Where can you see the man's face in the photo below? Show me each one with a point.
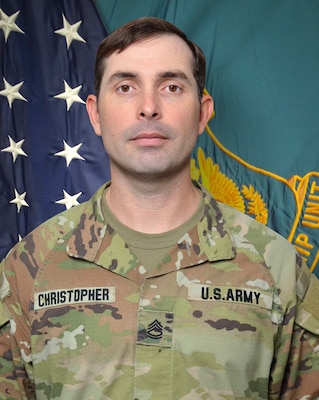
(148, 112)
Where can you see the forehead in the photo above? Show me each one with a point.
(165, 52)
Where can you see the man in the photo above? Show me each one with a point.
(152, 289)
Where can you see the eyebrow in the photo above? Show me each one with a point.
(121, 75)
(174, 74)
(162, 75)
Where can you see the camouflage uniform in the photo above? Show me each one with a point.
(230, 313)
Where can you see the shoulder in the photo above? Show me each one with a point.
(69, 219)
(248, 235)
(275, 250)
(37, 244)
(245, 230)
(265, 239)
(290, 273)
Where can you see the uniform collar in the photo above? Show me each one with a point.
(95, 241)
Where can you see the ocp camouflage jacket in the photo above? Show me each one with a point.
(231, 312)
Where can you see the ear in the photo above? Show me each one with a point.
(92, 110)
(206, 111)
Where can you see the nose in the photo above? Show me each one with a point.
(149, 107)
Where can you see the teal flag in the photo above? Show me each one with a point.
(260, 151)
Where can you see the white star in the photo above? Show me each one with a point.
(15, 149)
(68, 200)
(70, 153)
(12, 92)
(70, 95)
(19, 200)
(8, 25)
(70, 31)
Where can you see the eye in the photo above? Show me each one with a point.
(173, 88)
(124, 89)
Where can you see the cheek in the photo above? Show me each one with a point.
(190, 122)
(112, 118)
(189, 113)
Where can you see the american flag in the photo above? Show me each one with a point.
(50, 158)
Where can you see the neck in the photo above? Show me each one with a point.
(153, 207)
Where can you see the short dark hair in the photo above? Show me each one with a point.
(138, 30)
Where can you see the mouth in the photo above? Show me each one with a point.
(149, 139)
